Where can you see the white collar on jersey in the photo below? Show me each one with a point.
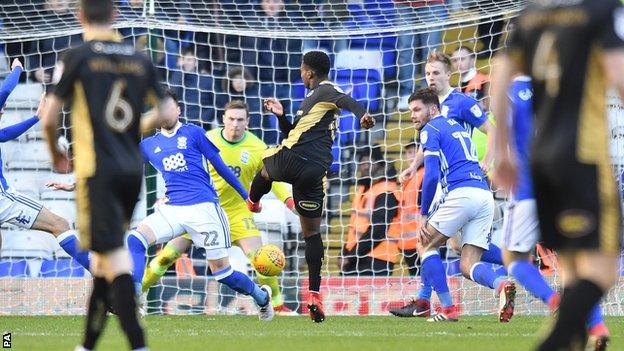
(469, 75)
(522, 79)
(446, 95)
(171, 133)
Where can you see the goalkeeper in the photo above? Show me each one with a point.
(242, 151)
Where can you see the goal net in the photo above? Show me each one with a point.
(210, 52)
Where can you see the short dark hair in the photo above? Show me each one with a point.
(236, 104)
(374, 152)
(318, 61)
(189, 50)
(97, 11)
(171, 94)
(426, 95)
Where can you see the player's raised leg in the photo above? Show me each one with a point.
(165, 258)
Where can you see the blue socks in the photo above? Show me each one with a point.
(595, 317)
(483, 274)
(531, 279)
(492, 255)
(433, 270)
(425, 287)
(241, 283)
(69, 242)
(137, 247)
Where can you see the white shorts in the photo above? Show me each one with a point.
(520, 226)
(206, 223)
(18, 209)
(468, 209)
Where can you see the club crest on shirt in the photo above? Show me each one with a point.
(244, 157)
(423, 137)
(310, 93)
(181, 142)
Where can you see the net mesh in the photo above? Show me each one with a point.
(210, 52)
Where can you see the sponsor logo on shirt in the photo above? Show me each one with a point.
(157, 149)
(175, 163)
(244, 157)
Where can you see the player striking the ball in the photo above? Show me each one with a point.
(304, 157)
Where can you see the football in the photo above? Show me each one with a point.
(269, 260)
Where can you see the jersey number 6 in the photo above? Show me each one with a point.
(118, 111)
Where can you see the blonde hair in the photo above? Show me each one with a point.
(438, 56)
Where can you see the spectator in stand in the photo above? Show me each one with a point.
(409, 213)
(47, 51)
(370, 249)
(278, 59)
(194, 89)
(240, 85)
(472, 82)
(414, 48)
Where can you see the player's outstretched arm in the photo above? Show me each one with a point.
(275, 107)
(505, 165)
(61, 186)
(348, 103)
(224, 171)
(11, 81)
(12, 132)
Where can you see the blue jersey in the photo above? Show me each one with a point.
(450, 158)
(521, 115)
(179, 157)
(464, 109)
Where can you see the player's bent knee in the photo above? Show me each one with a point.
(218, 259)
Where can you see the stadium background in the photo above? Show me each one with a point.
(377, 49)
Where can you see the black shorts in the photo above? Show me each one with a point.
(105, 206)
(578, 204)
(307, 177)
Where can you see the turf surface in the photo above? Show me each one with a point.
(181, 333)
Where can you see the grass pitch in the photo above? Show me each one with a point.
(222, 333)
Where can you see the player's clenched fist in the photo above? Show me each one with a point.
(367, 121)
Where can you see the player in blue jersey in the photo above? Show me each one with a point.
(177, 152)
(466, 204)
(19, 209)
(520, 223)
(453, 104)
(469, 114)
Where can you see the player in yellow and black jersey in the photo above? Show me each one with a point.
(573, 50)
(304, 157)
(107, 84)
